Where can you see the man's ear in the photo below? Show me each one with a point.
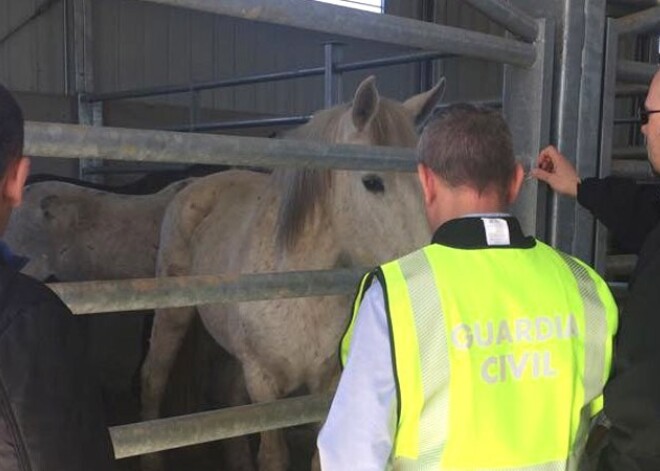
(516, 183)
(427, 180)
(14, 180)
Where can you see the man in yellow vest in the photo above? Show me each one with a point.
(486, 349)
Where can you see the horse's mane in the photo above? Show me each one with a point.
(303, 191)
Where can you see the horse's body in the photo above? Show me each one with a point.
(77, 233)
(241, 222)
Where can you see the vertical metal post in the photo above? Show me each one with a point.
(333, 94)
(194, 108)
(589, 122)
(89, 114)
(527, 108)
(607, 124)
(426, 69)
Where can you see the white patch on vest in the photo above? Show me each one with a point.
(497, 231)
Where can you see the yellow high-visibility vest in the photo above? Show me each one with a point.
(500, 356)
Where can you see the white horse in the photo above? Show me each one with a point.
(242, 222)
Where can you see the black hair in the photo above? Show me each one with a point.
(11, 129)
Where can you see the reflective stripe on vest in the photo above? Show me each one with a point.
(506, 350)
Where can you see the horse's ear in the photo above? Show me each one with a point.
(421, 106)
(365, 103)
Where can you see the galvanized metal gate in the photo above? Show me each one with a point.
(526, 104)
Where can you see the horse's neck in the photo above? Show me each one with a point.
(316, 247)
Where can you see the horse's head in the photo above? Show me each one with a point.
(372, 215)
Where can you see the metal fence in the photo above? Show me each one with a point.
(627, 162)
(526, 104)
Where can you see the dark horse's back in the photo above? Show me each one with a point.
(150, 183)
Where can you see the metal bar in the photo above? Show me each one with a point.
(242, 124)
(262, 78)
(509, 16)
(195, 108)
(176, 432)
(606, 132)
(91, 297)
(395, 60)
(620, 264)
(38, 11)
(527, 108)
(628, 120)
(215, 84)
(631, 169)
(631, 90)
(646, 21)
(590, 99)
(72, 141)
(332, 93)
(637, 72)
(327, 18)
(631, 153)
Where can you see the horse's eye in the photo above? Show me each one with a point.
(373, 183)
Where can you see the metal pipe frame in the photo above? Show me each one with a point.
(243, 124)
(630, 153)
(73, 141)
(631, 90)
(332, 89)
(646, 21)
(91, 297)
(176, 432)
(264, 78)
(327, 18)
(527, 109)
(636, 72)
(508, 16)
(636, 169)
(600, 259)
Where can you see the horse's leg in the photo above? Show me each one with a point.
(236, 451)
(263, 387)
(167, 334)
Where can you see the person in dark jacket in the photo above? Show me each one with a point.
(51, 415)
(631, 211)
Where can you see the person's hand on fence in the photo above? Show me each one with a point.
(555, 170)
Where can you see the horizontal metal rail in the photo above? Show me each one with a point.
(394, 60)
(89, 297)
(198, 87)
(74, 141)
(327, 18)
(176, 432)
(629, 120)
(508, 16)
(263, 78)
(637, 72)
(646, 21)
(630, 153)
(619, 289)
(242, 124)
(620, 264)
(631, 168)
(631, 89)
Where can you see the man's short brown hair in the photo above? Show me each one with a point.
(469, 145)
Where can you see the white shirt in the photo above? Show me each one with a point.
(359, 431)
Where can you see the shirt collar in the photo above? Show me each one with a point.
(468, 232)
